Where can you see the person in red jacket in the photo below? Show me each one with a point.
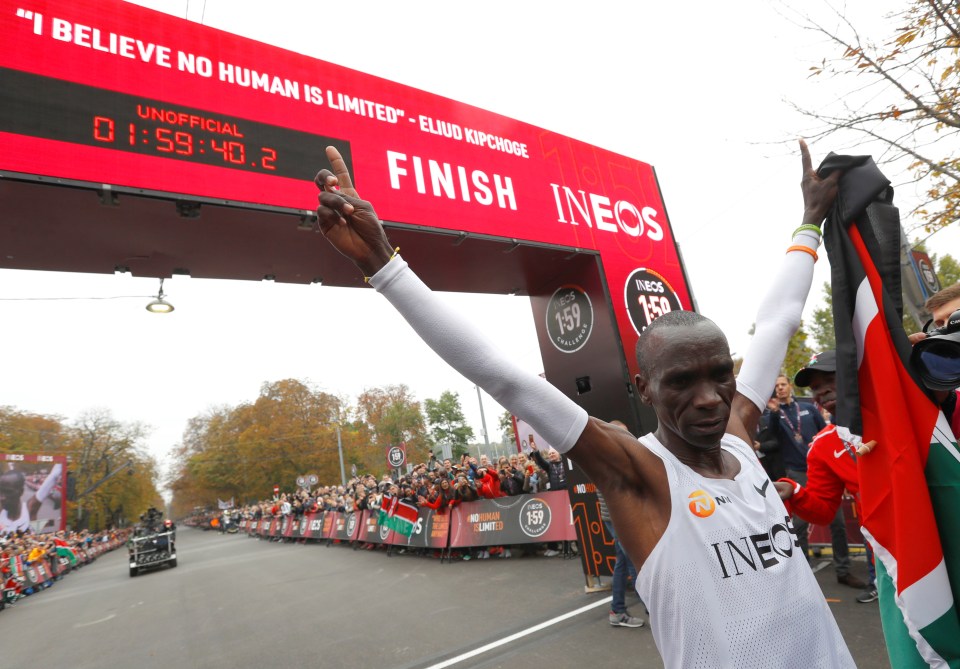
(831, 461)
(488, 483)
(446, 497)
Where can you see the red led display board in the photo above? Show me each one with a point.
(104, 92)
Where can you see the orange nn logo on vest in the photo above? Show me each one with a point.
(701, 504)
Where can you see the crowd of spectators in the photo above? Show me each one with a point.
(435, 484)
(59, 552)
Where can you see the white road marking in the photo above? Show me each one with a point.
(94, 622)
(519, 635)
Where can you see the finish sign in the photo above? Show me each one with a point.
(648, 296)
(569, 319)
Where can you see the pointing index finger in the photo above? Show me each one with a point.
(804, 156)
(340, 170)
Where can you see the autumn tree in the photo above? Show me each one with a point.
(393, 415)
(243, 451)
(447, 423)
(902, 91)
(24, 432)
(116, 479)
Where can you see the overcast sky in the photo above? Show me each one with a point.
(700, 90)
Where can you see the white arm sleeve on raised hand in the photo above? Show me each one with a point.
(44, 490)
(777, 319)
(531, 398)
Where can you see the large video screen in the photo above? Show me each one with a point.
(33, 493)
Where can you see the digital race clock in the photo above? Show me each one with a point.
(48, 108)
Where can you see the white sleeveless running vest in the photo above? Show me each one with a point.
(726, 585)
(21, 523)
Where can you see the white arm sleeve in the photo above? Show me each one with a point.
(44, 490)
(551, 413)
(777, 319)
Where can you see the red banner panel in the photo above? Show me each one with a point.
(506, 520)
(522, 519)
(346, 526)
(370, 531)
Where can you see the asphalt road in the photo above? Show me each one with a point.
(238, 602)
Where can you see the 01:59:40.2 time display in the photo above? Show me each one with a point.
(174, 143)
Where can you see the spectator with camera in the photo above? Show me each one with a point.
(552, 465)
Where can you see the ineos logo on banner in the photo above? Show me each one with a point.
(535, 517)
(397, 456)
(648, 296)
(569, 318)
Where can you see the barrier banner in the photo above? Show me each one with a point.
(35, 574)
(523, 519)
(315, 527)
(597, 551)
(370, 530)
(430, 531)
(60, 565)
(329, 526)
(347, 526)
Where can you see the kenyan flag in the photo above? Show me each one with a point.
(910, 482)
(64, 551)
(398, 515)
(16, 565)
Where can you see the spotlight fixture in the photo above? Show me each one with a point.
(159, 305)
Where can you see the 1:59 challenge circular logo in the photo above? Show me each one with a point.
(648, 296)
(569, 318)
(535, 517)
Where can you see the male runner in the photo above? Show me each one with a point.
(724, 583)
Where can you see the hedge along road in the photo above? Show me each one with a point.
(238, 602)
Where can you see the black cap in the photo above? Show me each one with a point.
(824, 361)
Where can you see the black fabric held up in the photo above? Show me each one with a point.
(864, 202)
